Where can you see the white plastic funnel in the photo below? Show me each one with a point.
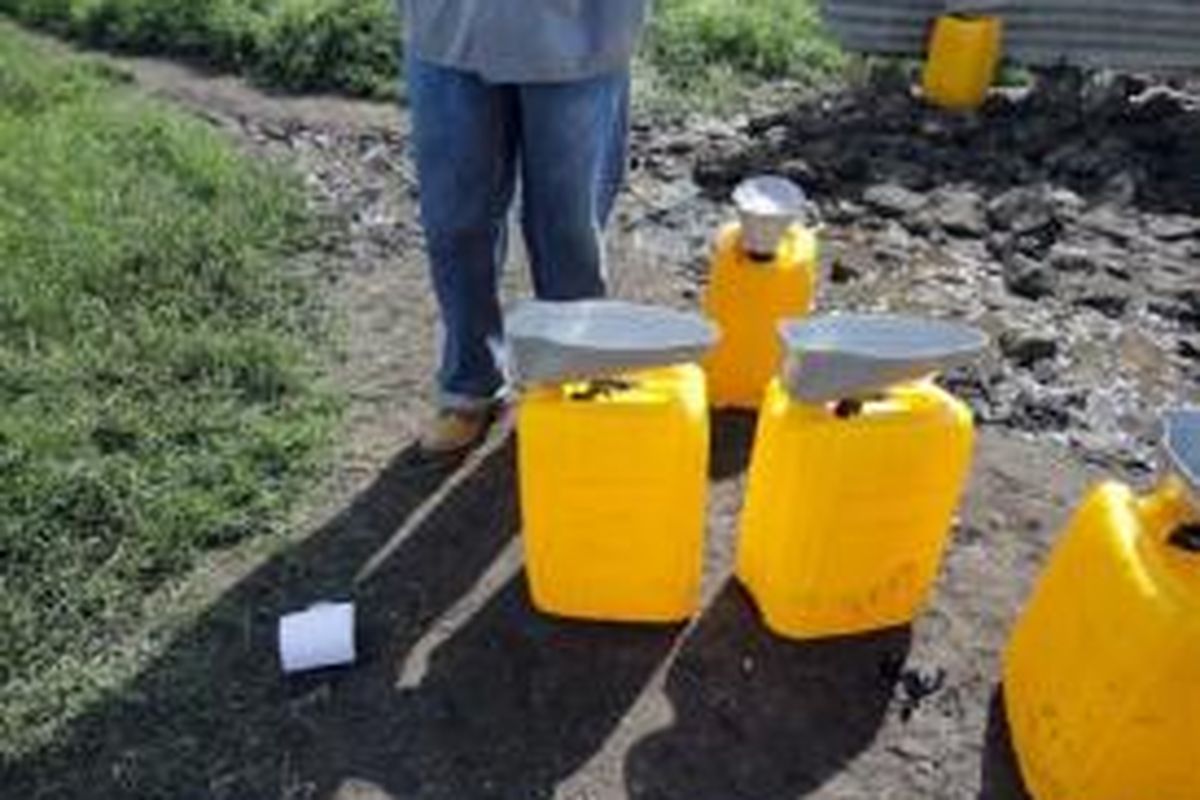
(1181, 443)
(555, 342)
(767, 206)
(850, 356)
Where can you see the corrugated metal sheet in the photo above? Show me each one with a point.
(1133, 34)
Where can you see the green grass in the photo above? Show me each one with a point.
(300, 45)
(706, 49)
(159, 395)
(695, 48)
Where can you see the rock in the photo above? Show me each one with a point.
(889, 78)
(1025, 348)
(1121, 189)
(895, 237)
(1045, 372)
(1069, 258)
(843, 212)
(1066, 204)
(921, 223)
(716, 129)
(1173, 228)
(1158, 104)
(357, 789)
(1057, 88)
(960, 213)
(841, 272)
(1111, 223)
(1028, 278)
(1047, 412)
(800, 172)
(275, 131)
(1177, 312)
(1118, 271)
(776, 138)
(1189, 347)
(1021, 211)
(1036, 245)
(683, 144)
(893, 200)
(1109, 301)
(1037, 135)
(1140, 354)
(851, 167)
(1001, 246)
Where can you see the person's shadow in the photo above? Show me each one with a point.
(760, 717)
(508, 704)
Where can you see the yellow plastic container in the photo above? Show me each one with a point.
(847, 515)
(964, 53)
(613, 494)
(1101, 681)
(747, 298)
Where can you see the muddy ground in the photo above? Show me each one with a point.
(1087, 277)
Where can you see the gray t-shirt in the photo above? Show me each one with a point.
(526, 41)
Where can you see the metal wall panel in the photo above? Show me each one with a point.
(1133, 34)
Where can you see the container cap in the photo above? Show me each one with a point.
(767, 206)
(552, 342)
(847, 356)
(1181, 443)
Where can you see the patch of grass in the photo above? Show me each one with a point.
(295, 45)
(159, 391)
(712, 48)
(697, 49)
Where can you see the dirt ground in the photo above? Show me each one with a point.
(462, 691)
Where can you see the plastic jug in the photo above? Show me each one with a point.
(764, 270)
(858, 465)
(964, 52)
(614, 469)
(1100, 673)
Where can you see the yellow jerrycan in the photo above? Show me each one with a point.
(612, 443)
(964, 52)
(764, 270)
(858, 465)
(1100, 675)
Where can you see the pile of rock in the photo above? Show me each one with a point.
(1064, 218)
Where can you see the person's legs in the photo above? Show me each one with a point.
(573, 148)
(465, 133)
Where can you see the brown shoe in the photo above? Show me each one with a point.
(452, 430)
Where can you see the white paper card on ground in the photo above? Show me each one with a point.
(320, 636)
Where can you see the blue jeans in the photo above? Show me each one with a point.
(567, 142)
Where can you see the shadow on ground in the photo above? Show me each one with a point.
(507, 703)
(1001, 777)
(507, 707)
(761, 717)
(731, 443)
